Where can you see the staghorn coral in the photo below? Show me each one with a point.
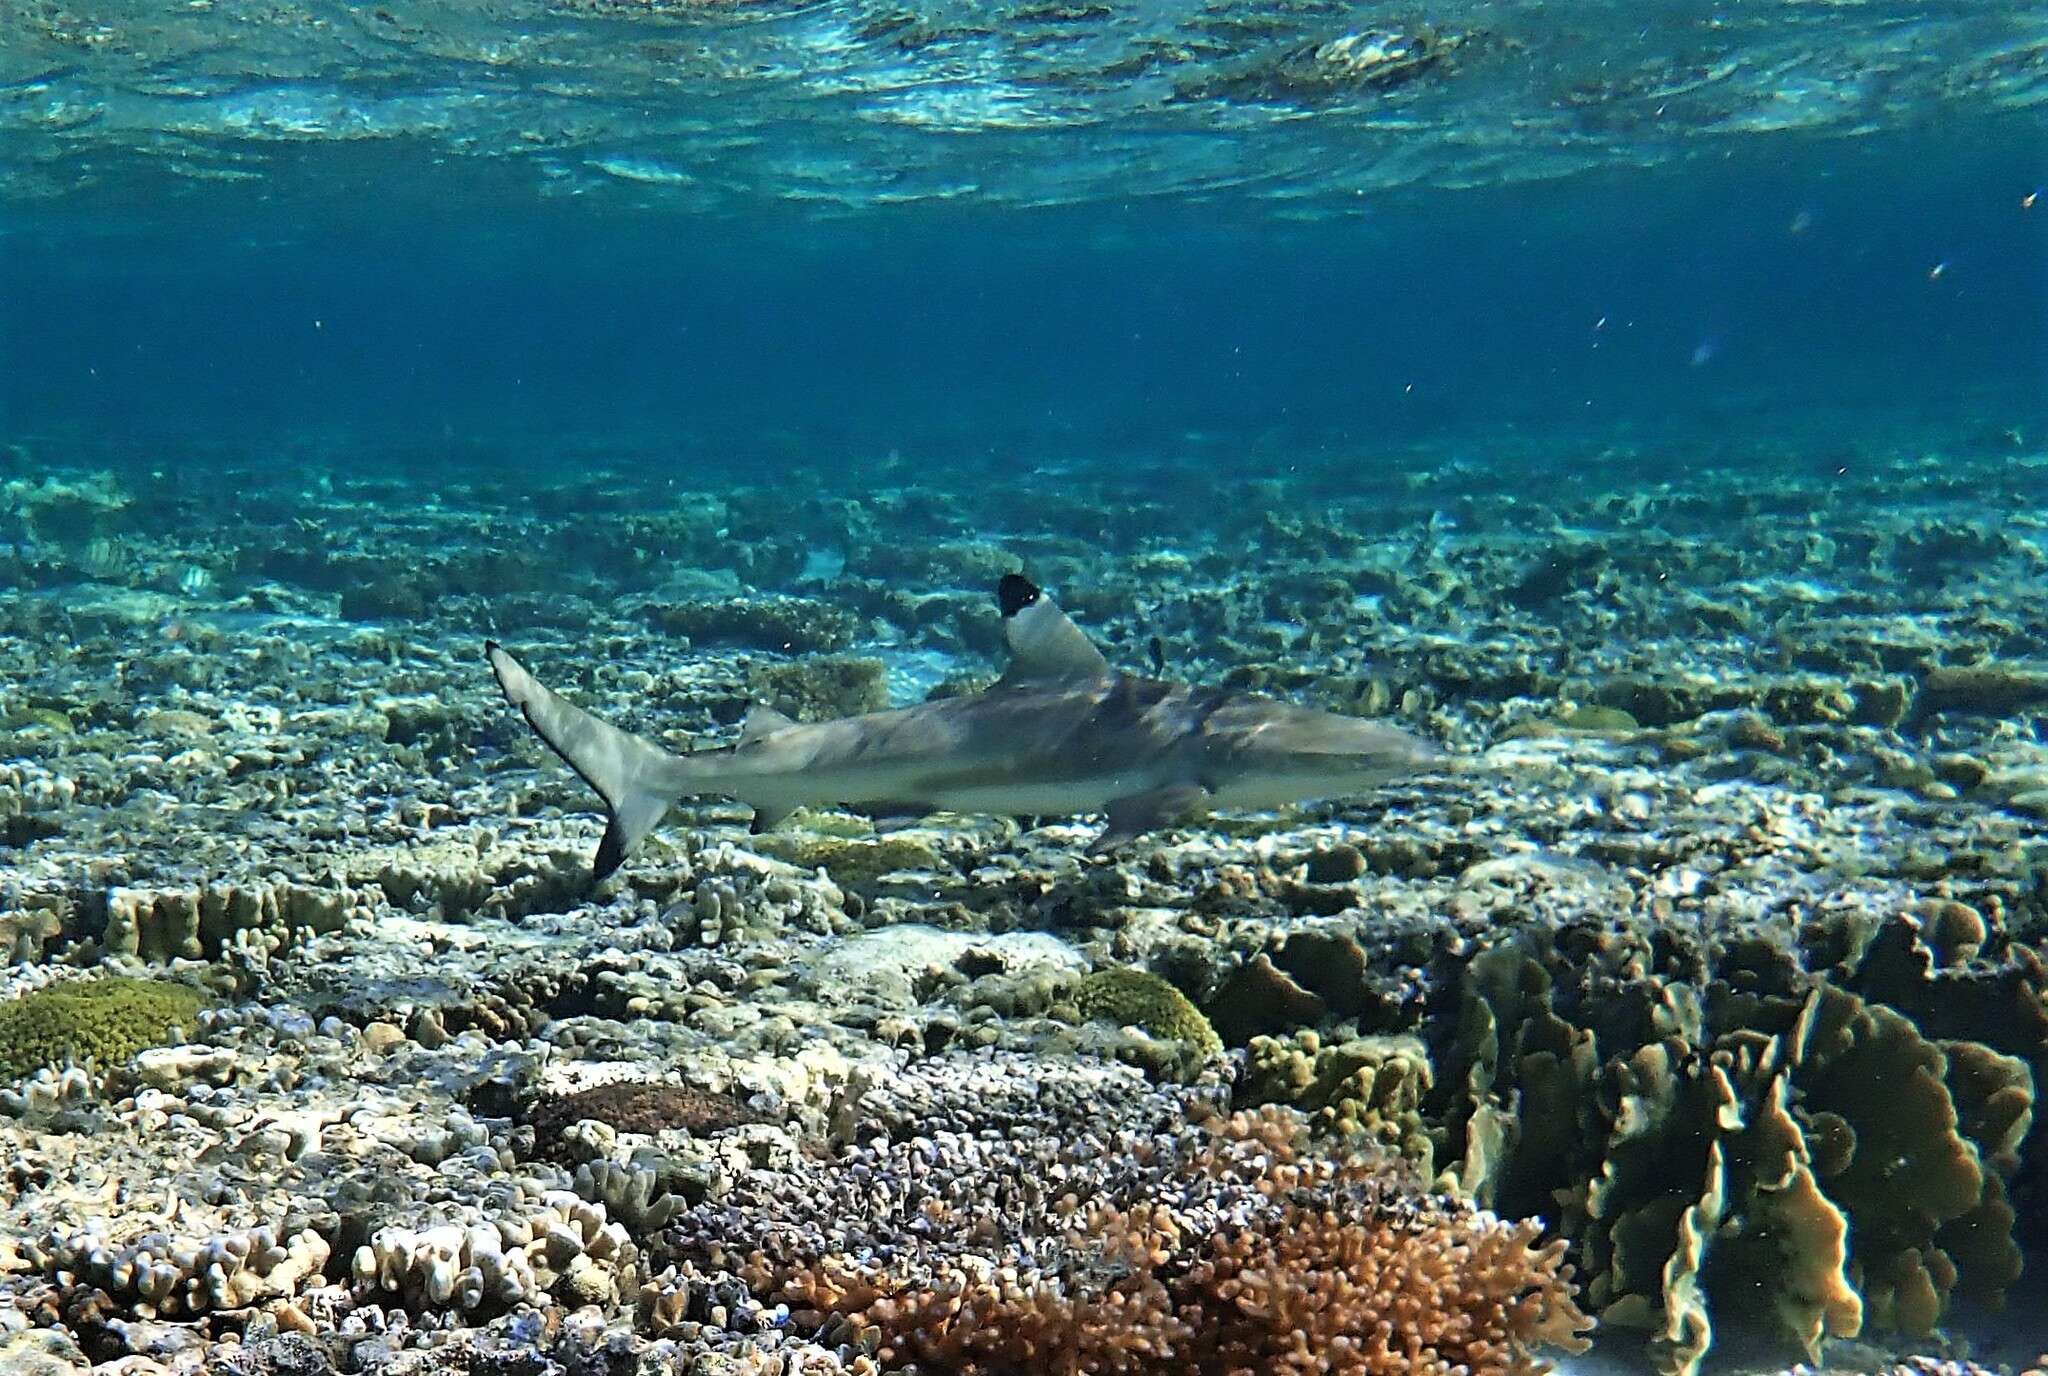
(1220, 1248)
(101, 1022)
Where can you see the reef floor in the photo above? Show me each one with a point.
(1701, 1011)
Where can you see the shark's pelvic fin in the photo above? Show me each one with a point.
(768, 818)
(636, 780)
(762, 720)
(1044, 643)
(1133, 816)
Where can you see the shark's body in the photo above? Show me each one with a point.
(1060, 733)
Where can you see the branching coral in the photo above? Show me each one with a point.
(1220, 1249)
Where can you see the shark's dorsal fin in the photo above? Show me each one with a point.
(1044, 643)
(762, 720)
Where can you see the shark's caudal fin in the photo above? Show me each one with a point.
(636, 780)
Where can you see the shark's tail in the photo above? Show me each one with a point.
(637, 780)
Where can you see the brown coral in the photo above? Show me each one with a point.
(1707, 1116)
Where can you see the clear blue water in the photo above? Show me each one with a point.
(1766, 286)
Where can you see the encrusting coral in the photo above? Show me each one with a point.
(100, 1022)
(635, 1106)
(1225, 1247)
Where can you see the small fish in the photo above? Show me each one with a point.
(196, 579)
(1060, 733)
(103, 559)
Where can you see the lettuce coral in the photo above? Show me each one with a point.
(1736, 1134)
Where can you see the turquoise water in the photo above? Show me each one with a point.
(1645, 404)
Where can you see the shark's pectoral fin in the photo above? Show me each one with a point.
(769, 818)
(1142, 812)
(636, 779)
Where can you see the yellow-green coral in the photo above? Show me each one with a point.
(1368, 1087)
(1137, 998)
(100, 1022)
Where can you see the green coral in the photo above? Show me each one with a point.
(1138, 998)
(100, 1022)
(1599, 720)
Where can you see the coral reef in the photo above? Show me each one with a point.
(1722, 956)
(1223, 1247)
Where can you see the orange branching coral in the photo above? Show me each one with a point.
(1239, 1255)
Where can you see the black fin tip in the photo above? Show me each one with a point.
(1015, 593)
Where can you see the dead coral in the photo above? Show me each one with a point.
(791, 625)
(637, 1106)
(821, 689)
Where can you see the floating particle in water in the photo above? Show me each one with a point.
(1704, 353)
(1801, 222)
(2027, 201)
(1938, 271)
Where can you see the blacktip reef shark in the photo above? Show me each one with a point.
(1060, 733)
